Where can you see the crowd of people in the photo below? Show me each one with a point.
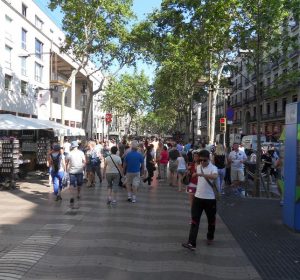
(202, 172)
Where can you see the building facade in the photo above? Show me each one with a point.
(33, 70)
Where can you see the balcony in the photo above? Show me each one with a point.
(252, 98)
(237, 122)
(253, 118)
(240, 86)
(273, 115)
(237, 103)
(253, 77)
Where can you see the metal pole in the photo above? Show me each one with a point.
(62, 113)
(102, 129)
(92, 118)
(209, 113)
(51, 104)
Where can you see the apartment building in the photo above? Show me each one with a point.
(33, 70)
(275, 94)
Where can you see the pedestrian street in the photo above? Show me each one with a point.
(45, 239)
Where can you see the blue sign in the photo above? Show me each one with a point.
(230, 114)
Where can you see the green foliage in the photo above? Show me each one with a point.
(96, 30)
(128, 94)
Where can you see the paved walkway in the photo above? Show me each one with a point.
(44, 239)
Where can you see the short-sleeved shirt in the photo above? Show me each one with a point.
(111, 167)
(204, 190)
(76, 161)
(236, 158)
(133, 161)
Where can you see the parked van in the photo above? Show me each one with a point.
(250, 141)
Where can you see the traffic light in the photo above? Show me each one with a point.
(222, 124)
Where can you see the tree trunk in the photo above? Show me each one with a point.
(214, 105)
(91, 94)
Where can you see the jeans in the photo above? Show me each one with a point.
(221, 176)
(57, 180)
(210, 208)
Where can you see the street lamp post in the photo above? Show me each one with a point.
(103, 120)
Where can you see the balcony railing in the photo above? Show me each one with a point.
(237, 121)
(273, 115)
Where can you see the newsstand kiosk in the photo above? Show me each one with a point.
(291, 206)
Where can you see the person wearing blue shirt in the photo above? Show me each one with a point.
(134, 166)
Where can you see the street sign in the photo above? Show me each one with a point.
(230, 114)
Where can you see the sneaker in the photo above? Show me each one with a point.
(129, 199)
(71, 202)
(108, 202)
(189, 246)
(114, 203)
(58, 198)
(133, 200)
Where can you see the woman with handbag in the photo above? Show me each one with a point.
(112, 171)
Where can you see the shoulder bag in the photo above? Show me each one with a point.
(120, 180)
(213, 186)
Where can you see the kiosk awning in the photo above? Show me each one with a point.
(59, 129)
(12, 122)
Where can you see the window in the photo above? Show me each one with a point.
(8, 82)
(24, 36)
(24, 10)
(24, 87)
(283, 104)
(275, 106)
(38, 22)
(269, 82)
(8, 28)
(8, 57)
(38, 72)
(268, 108)
(254, 111)
(295, 98)
(38, 49)
(23, 66)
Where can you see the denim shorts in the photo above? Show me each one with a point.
(76, 179)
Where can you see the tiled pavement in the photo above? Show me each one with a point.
(44, 239)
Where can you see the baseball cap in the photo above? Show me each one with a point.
(74, 144)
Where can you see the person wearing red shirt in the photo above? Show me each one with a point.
(163, 163)
(192, 186)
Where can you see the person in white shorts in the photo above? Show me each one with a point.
(236, 159)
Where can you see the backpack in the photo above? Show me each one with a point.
(94, 159)
(56, 162)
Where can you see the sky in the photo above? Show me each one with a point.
(141, 9)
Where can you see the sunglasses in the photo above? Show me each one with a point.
(203, 160)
